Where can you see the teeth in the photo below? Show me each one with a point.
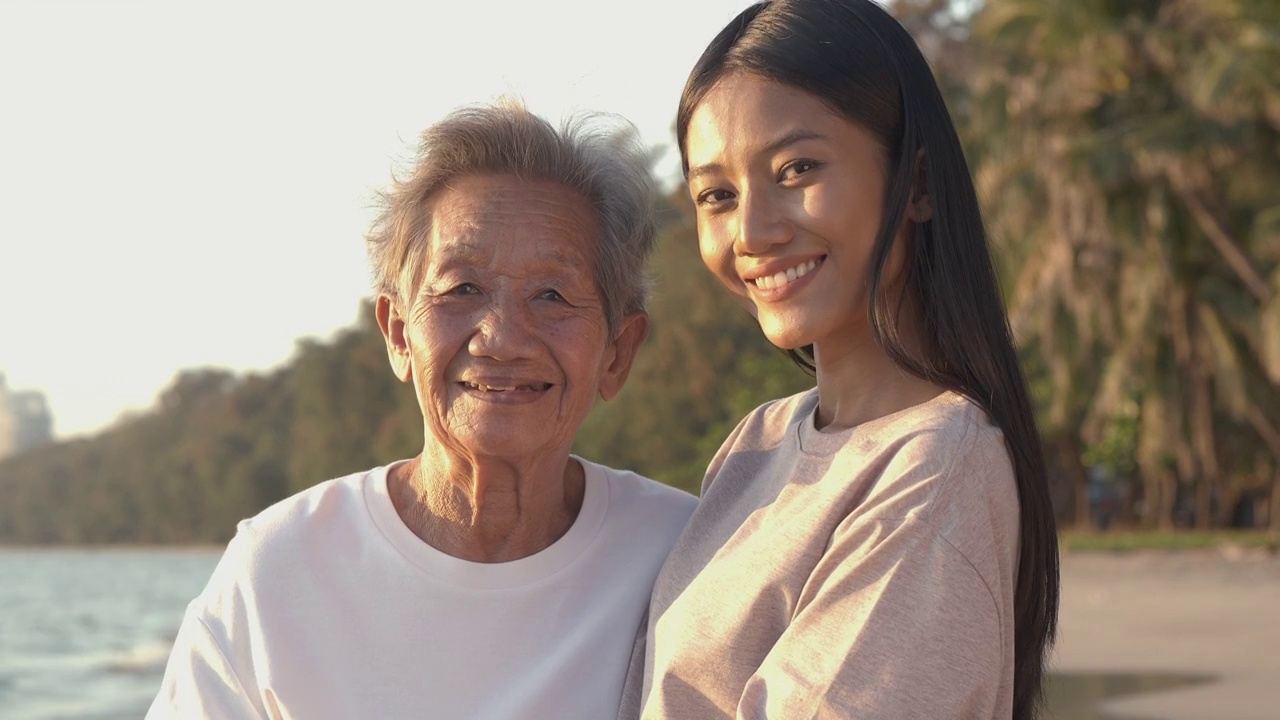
(494, 388)
(777, 280)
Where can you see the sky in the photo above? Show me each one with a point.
(187, 183)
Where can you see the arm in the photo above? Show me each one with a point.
(207, 672)
(199, 681)
(894, 622)
(633, 689)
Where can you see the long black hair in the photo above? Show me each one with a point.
(858, 60)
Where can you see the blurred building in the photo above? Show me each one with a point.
(25, 420)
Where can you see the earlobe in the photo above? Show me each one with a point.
(920, 210)
(632, 332)
(392, 325)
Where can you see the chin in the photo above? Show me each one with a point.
(502, 442)
(783, 335)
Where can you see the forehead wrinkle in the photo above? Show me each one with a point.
(480, 223)
(459, 250)
(464, 249)
(560, 258)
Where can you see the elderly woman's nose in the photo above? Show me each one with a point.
(503, 332)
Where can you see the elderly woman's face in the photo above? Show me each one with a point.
(505, 337)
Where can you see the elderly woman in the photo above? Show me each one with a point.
(494, 575)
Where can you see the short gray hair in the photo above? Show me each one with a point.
(597, 155)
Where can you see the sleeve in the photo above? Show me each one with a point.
(632, 691)
(893, 623)
(207, 673)
(199, 681)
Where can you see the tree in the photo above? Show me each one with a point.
(1126, 154)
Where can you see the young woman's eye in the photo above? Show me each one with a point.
(550, 294)
(796, 168)
(713, 196)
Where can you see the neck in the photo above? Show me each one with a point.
(858, 382)
(487, 509)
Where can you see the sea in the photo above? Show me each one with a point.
(84, 634)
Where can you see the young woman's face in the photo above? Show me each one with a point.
(789, 197)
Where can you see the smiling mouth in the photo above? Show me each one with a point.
(528, 387)
(790, 275)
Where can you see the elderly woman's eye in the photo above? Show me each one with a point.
(550, 294)
(465, 289)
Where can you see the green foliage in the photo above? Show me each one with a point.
(218, 447)
(1126, 154)
(1117, 450)
(215, 449)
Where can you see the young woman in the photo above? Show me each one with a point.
(882, 546)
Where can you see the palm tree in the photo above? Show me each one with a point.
(1126, 154)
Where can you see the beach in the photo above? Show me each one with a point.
(1204, 623)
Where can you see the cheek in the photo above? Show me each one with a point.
(577, 344)
(433, 346)
(717, 253)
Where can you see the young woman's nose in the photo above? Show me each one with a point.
(761, 224)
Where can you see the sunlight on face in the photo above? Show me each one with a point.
(506, 333)
(789, 197)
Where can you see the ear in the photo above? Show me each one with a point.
(920, 209)
(632, 332)
(391, 323)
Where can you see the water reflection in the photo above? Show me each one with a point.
(1079, 696)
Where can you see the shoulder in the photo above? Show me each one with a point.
(949, 467)
(977, 509)
(316, 510)
(786, 409)
(642, 519)
(290, 536)
(642, 499)
(945, 448)
(764, 429)
(769, 423)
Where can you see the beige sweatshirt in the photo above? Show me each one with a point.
(865, 573)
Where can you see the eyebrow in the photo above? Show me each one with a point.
(791, 138)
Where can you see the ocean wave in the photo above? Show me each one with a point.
(142, 659)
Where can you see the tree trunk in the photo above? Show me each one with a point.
(1273, 513)
(1070, 450)
(1230, 494)
(1168, 499)
(1152, 485)
(1084, 516)
(1202, 435)
(1230, 250)
(1204, 504)
(1262, 425)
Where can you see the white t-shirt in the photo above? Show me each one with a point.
(326, 605)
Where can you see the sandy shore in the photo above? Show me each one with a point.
(1201, 613)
